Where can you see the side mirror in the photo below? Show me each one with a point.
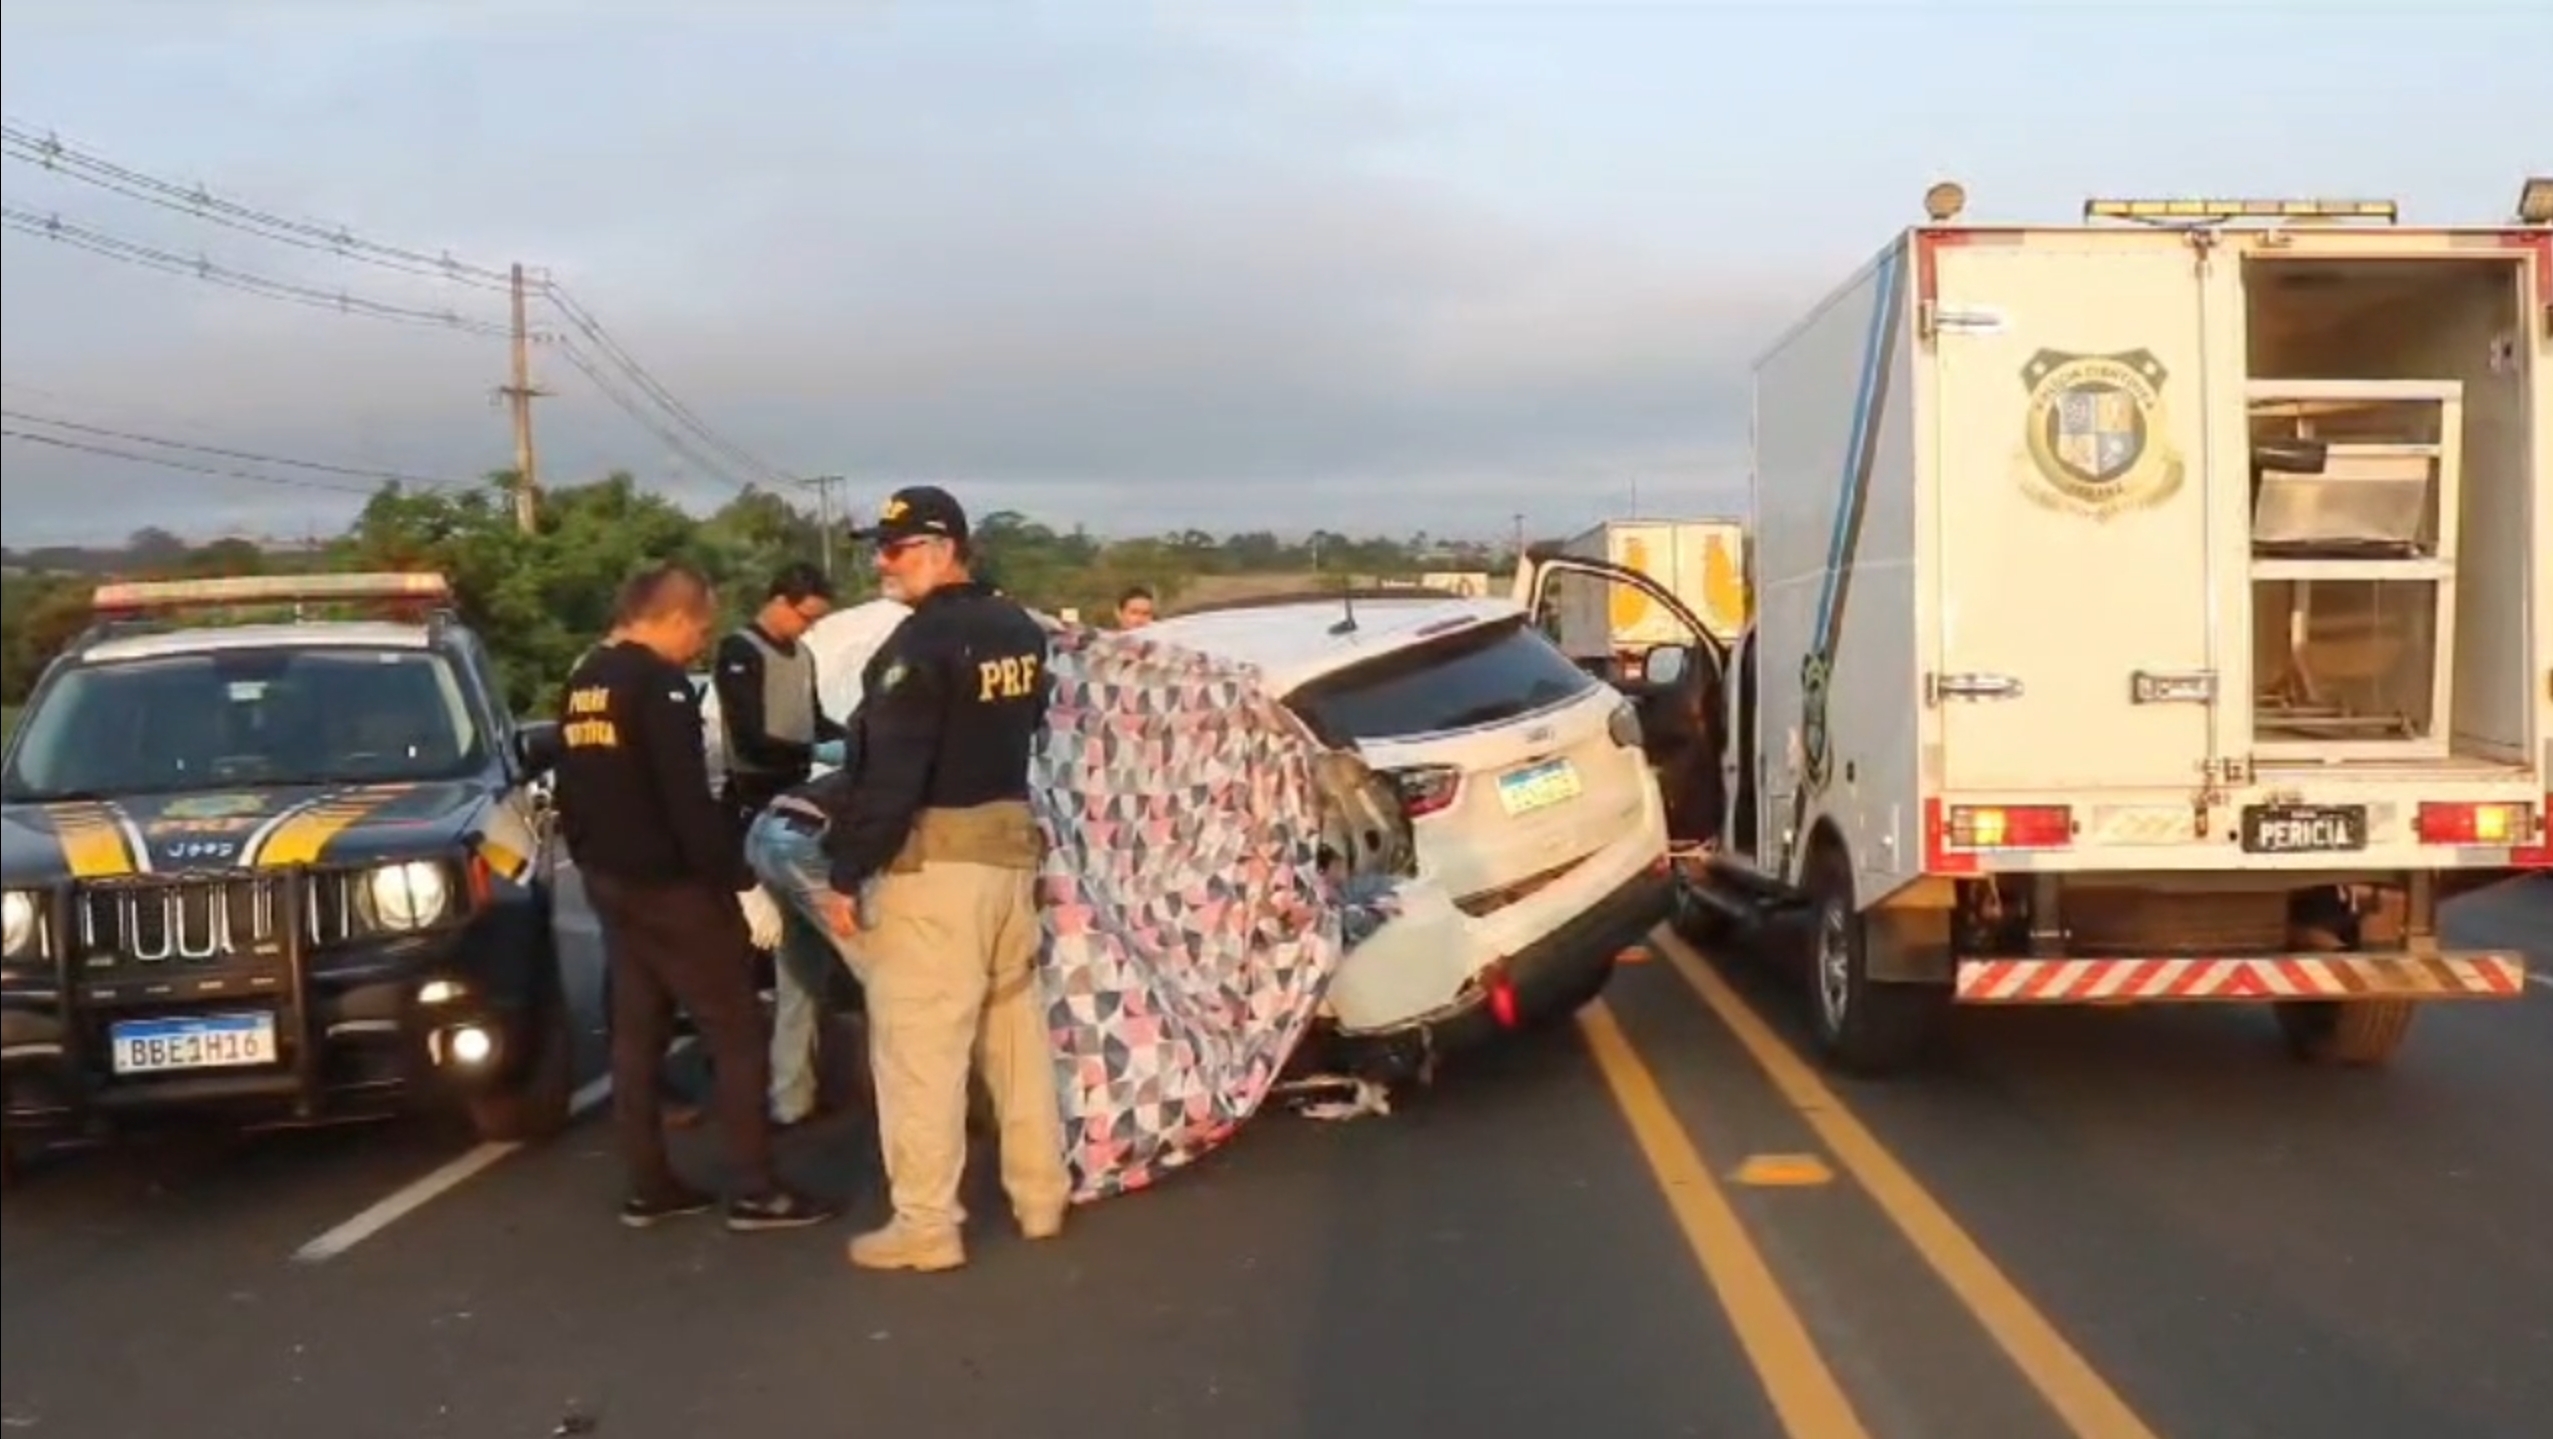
(537, 747)
(1666, 665)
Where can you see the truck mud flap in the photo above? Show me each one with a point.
(2457, 974)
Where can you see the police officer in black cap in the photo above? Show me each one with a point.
(932, 853)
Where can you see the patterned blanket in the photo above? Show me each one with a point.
(1190, 929)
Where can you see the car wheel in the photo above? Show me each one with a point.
(540, 1101)
(1862, 1026)
(1585, 992)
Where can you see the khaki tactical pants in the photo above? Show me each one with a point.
(949, 979)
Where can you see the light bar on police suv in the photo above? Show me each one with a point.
(2385, 210)
(130, 596)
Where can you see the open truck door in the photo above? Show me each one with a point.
(1679, 694)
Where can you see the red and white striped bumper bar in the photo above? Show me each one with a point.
(2456, 975)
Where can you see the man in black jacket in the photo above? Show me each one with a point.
(665, 872)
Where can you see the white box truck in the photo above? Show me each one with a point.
(1702, 562)
(2150, 609)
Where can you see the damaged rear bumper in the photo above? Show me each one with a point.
(1548, 980)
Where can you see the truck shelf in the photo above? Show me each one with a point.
(2353, 541)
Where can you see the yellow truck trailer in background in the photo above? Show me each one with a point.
(1701, 561)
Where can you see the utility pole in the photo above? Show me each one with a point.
(521, 394)
(823, 486)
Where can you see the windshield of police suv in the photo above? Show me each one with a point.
(1476, 676)
(281, 716)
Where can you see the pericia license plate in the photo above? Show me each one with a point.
(2304, 829)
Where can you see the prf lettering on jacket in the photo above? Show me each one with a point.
(589, 723)
(1009, 678)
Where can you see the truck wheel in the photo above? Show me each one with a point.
(1862, 1026)
(2359, 1033)
(538, 1104)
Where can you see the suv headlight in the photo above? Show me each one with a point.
(17, 924)
(408, 896)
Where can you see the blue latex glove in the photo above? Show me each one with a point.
(830, 752)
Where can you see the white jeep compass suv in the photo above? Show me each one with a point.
(1538, 822)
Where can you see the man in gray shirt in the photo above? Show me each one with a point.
(774, 729)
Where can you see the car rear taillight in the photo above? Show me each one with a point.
(2476, 824)
(1624, 725)
(1426, 788)
(2025, 826)
(1501, 993)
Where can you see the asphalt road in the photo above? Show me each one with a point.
(2112, 1223)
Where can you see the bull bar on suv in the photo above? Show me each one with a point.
(359, 1020)
(335, 1010)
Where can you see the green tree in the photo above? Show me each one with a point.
(538, 599)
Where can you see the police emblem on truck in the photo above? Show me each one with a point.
(2097, 436)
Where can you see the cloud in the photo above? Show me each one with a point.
(1117, 275)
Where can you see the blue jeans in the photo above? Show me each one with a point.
(792, 865)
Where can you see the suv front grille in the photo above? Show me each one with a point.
(203, 920)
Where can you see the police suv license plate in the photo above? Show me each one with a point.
(192, 1041)
(1538, 786)
(2304, 828)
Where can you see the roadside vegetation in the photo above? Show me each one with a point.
(540, 598)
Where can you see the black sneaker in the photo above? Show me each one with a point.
(641, 1210)
(779, 1209)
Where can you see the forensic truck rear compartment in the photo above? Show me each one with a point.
(2181, 631)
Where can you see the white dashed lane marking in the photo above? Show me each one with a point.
(460, 1170)
(426, 1188)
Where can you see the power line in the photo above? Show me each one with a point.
(394, 477)
(152, 257)
(672, 440)
(51, 152)
(585, 323)
(169, 262)
(167, 463)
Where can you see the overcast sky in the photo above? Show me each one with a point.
(1363, 266)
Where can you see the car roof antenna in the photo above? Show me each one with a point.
(1347, 599)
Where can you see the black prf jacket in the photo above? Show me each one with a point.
(950, 707)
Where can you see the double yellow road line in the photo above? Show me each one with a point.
(1803, 1389)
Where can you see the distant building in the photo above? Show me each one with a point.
(1469, 584)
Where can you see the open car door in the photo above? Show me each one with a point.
(1679, 693)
